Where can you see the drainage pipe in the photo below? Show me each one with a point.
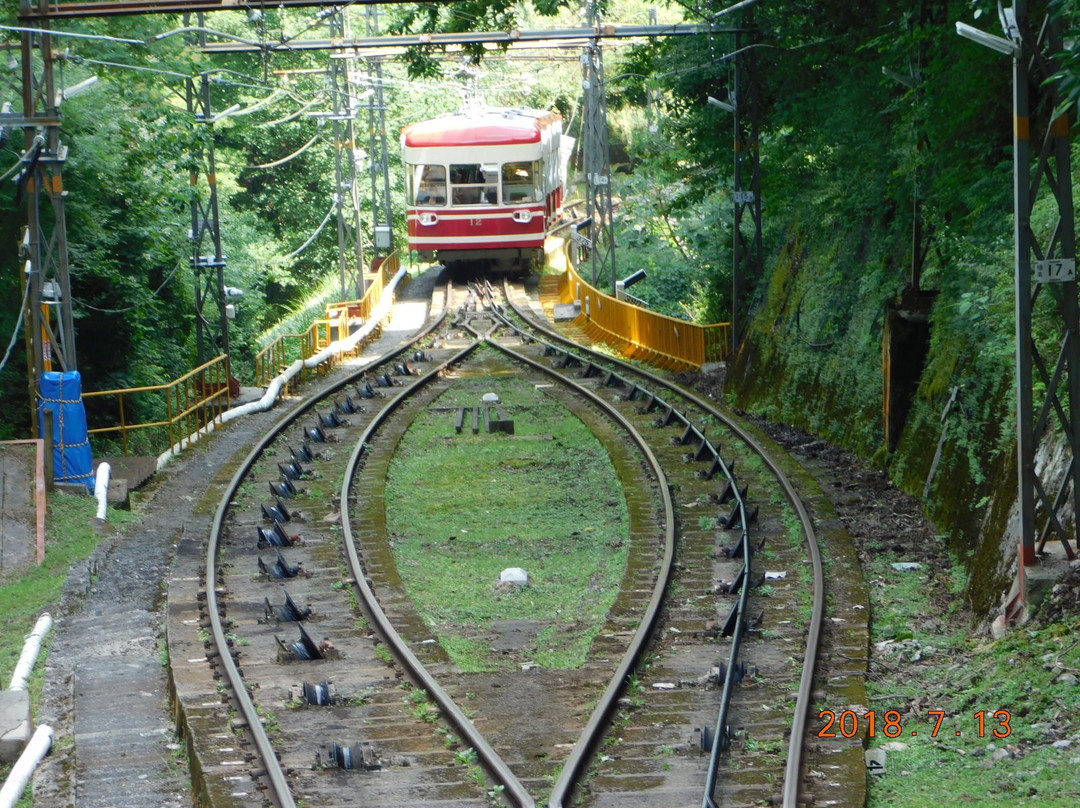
(24, 767)
(30, 653)
(101, 489)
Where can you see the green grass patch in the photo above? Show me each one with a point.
(463, 507)
(927, 657)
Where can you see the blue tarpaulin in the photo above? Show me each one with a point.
(72, 460)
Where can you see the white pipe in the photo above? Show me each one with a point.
(24, 767)
(101, 489)
(30, 653)
(273, 389)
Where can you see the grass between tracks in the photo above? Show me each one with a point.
(463, 507)
(929, 664)
(69, 537)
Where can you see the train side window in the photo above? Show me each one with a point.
(520, 182)
(429, 183)
(473, 184)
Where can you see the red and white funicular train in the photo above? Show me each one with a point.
(484, 185)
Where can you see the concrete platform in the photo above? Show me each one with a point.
(16, 726)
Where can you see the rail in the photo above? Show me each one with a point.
(794, 762)
(679, 342)
(181, 408)
(339, 321)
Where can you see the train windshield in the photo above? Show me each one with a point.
(427, 185)
(521, 183)
(474, 184)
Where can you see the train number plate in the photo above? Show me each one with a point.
(1057, 270)
(476, 221)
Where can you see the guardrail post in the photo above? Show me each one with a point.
(50, 460)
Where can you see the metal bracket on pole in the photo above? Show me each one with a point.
(597, 160)
(50, 328)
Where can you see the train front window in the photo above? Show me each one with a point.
(427, 185)
(474, 184)
(520, 183)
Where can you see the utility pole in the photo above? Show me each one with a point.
(49, 324)
(378, 160)
(1051, 264)
(209, 269)
(1045, 281)
(597, 158)
(347, 194)
(747, 261)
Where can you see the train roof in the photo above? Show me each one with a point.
(485, 127)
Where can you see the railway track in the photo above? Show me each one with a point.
(334, 689)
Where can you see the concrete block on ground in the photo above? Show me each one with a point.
(119, 495)
(564, 312)
(16, 726)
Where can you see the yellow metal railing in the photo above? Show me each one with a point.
(340, 318)
(675, 340)
(182, 408)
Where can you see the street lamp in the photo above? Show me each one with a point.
(1006, 47)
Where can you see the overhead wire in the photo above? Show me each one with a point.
(161, 286)
(314, 235)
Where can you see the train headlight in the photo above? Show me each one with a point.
(523, 216)
(428, 218)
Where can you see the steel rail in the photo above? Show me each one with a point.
(720, 736)
(601, 716)
(513, 787)
(803, 699)
(608, 703)
(282, 794)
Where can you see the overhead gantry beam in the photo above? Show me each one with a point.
(130, 8)
(551, 37)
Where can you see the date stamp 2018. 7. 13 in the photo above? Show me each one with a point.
(892, 724)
